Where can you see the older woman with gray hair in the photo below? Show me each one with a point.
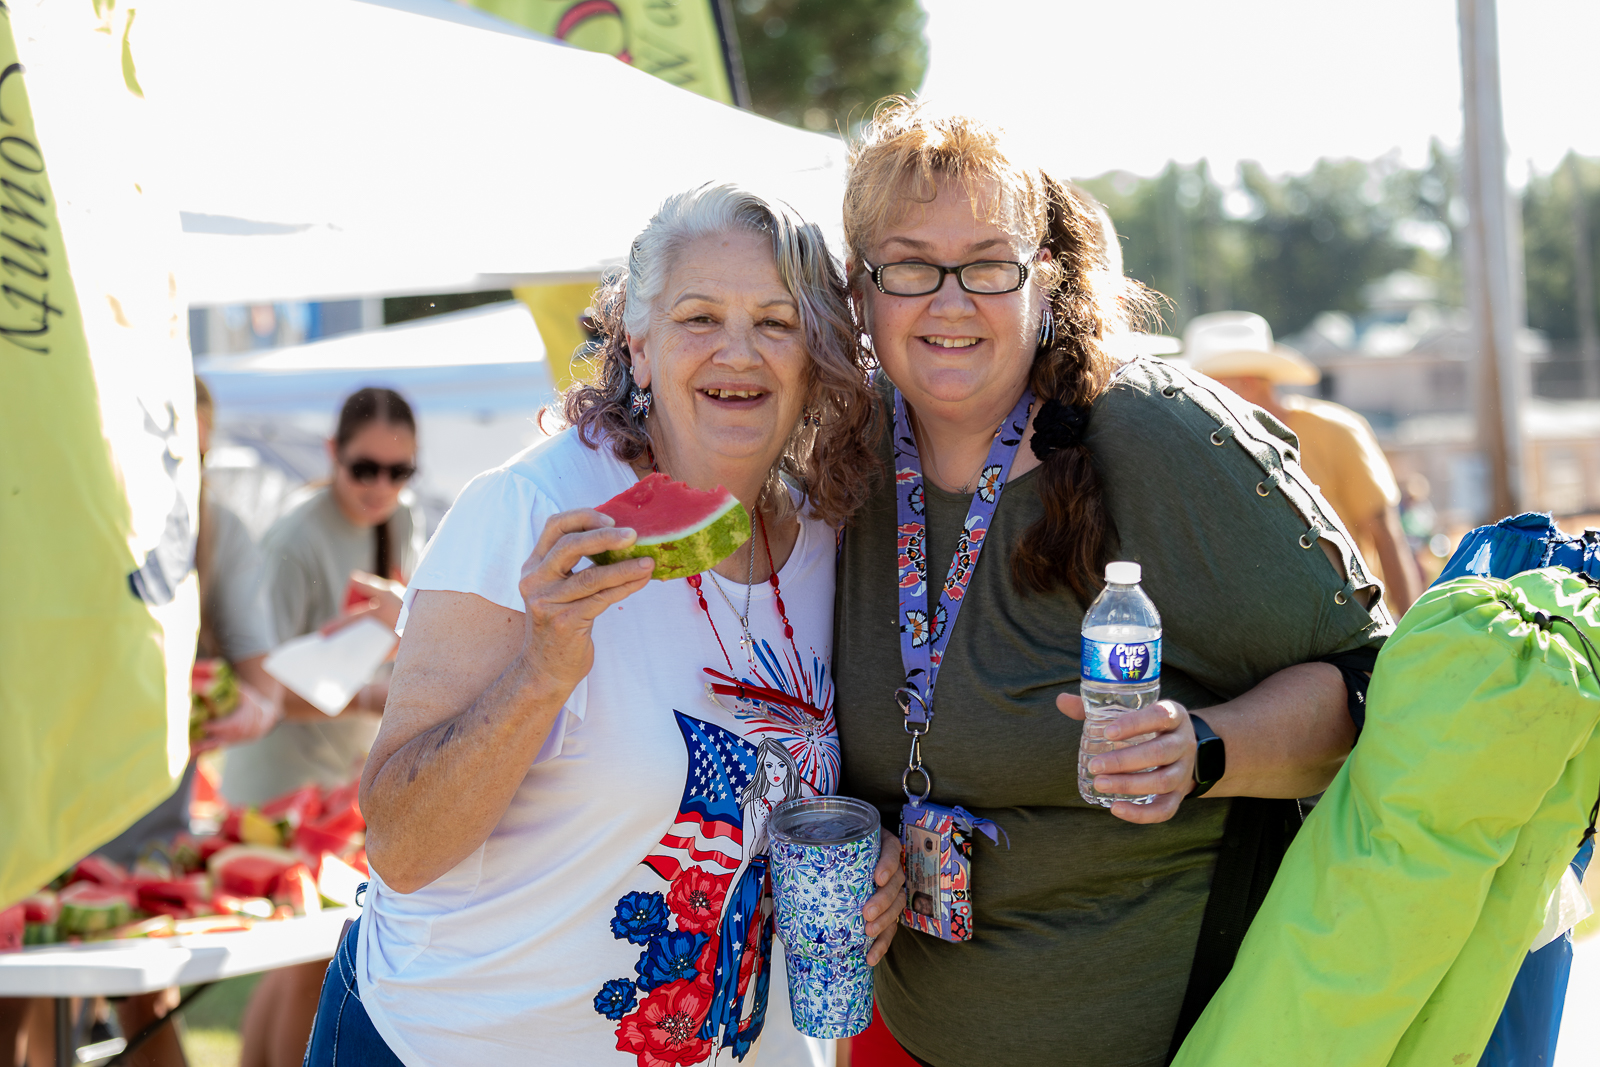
(561, 866)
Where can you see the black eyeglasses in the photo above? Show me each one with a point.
(986, 277)
(366, 471)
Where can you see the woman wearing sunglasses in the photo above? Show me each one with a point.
(338, 553)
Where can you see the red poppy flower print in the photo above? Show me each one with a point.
(705, 977)
(664, 1031)
(696, 899)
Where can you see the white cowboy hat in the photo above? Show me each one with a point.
(1238, 344)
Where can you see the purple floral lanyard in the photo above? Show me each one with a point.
(924, 633)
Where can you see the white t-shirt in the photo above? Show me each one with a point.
(620, 910)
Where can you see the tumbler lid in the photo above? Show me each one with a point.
(823, 820)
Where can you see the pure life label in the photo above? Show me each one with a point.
(1118, 661)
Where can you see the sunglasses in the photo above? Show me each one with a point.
(366, 471)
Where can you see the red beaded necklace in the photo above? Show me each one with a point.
(777, 590)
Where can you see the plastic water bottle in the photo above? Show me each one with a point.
(1121, 670)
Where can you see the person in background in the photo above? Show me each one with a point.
(343, 551)
(1337, 447)
(234, 626)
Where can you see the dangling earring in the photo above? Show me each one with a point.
(1047, 330)
(640, 400)
(812, 417)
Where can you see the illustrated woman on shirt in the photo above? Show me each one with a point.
(777, 779)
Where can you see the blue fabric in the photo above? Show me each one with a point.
(1523, 543)
(342, 1032)
(1530, 1023)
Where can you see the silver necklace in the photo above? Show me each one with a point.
(747, 643)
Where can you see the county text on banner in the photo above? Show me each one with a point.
(98, 467)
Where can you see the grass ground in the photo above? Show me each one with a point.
(211, 1030)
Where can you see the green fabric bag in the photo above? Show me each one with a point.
(1410, 897)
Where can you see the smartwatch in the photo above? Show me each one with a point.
(1210, 757)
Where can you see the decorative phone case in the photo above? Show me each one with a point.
(937, 854)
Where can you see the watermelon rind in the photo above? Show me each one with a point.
(92, 909)
(693, 550)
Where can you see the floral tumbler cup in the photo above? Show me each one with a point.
(823, 852)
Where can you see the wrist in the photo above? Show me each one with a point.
(1210, 757)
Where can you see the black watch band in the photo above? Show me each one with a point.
(1210, 757)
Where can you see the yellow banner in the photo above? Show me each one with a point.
(676, 40)
(98, 463)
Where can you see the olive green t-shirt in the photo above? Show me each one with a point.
(1085, 928)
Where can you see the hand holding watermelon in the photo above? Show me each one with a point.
(253, 717)
(561, 605)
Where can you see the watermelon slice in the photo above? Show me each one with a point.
(40, 913)
(99, 870)
(250, 870)
(213, 693)
(90, 908)
(296, 808)
(190, 891)
(686, 530)
(13, 923)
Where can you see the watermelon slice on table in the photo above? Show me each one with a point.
(250, 870)
(314, 841)
(209, 845)
(13, 924)
(90, 908)
(296, 808)
(190, 891)
(297, 889)
(99, 870)
(40, 914)
(686, 530)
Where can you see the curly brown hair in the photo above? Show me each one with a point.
(900, 158)
(831, 456)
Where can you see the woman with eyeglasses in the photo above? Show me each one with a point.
(1025, 459)
(340, 552)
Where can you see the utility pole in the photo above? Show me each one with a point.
(1583, 281)
(1494, 297)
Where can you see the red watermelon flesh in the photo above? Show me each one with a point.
(12, 923)
(344, 798)
(296, 808)
(99, 870)
(314, 841)
(250, 870)
(190, 890)
(42, 907)
(686, 530)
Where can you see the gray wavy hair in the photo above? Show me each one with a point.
(834, 459)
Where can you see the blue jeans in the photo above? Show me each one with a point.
(342, 1032)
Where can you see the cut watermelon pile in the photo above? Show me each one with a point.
(685, 530)
(285, 858)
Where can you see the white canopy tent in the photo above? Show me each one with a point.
(476, 379)
(336, 148)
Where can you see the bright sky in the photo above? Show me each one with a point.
(1130, 84)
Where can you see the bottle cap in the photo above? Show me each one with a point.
(1123, 572)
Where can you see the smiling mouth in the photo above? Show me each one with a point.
(734, 394)
(952, 342)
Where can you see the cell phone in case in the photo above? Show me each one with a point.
(937, 856)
